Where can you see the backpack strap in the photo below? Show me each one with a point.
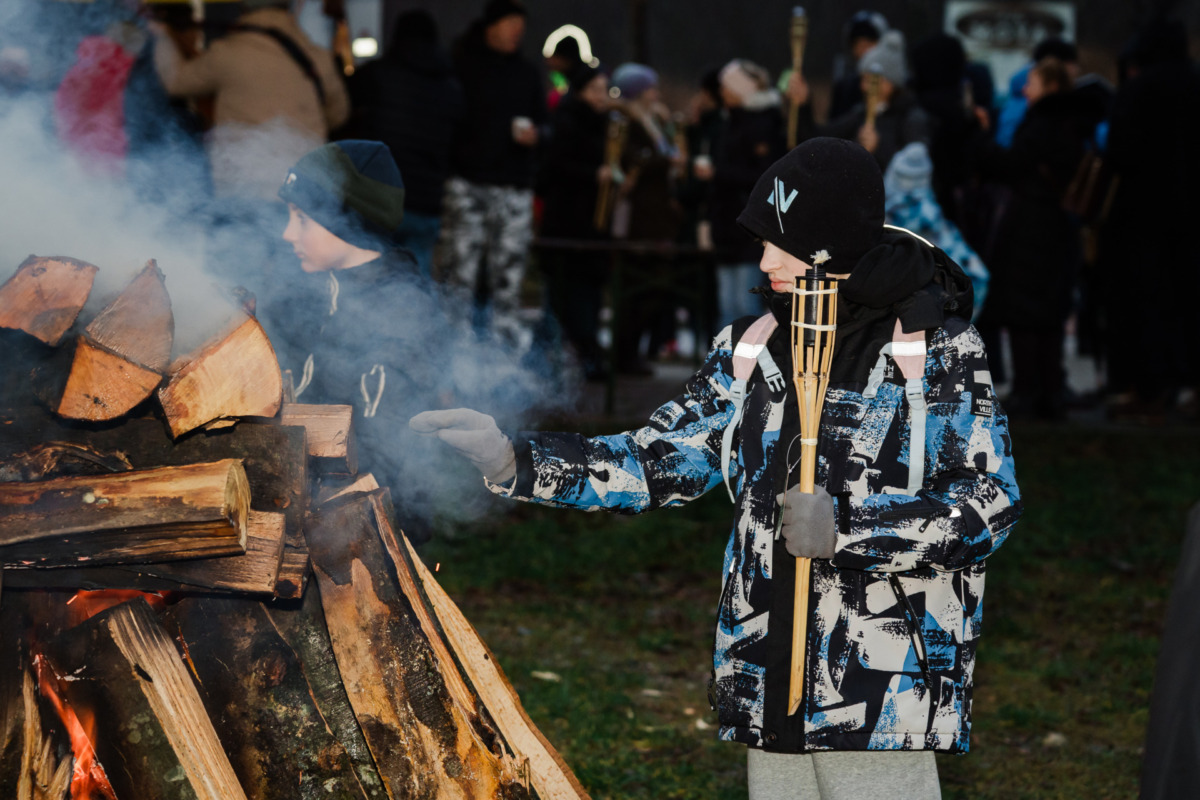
(294, 50)
(908, 351)
(750, 350)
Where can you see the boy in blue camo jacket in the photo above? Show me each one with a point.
(915, 489)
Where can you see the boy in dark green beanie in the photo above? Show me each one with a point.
(353, 324)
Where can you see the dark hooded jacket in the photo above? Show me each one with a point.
(411, 101)
(568, 173)
(497, 87)
(902, 123)
(895, 615)
(748, 142)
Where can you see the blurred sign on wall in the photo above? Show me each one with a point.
(1003, 35)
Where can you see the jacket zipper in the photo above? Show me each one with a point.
(914, 630)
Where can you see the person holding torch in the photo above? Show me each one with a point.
(913, 488)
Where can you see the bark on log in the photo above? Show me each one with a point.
(330, 435)
(138, 324)
(45, 295)
(153, 735)
(425, 744)
(149, 515)
(303, 628)
(34, 445)
(234, 375)
(254, 572)
(294, 569)
(261, 705)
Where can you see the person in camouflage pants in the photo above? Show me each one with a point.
(489, 228)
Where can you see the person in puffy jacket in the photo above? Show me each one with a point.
(915, 489)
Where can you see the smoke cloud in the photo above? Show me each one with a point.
(156, 203)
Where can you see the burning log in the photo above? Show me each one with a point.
(45, 295)
(330, 435)
(255, 572)
(153, 734)
(149, 515)
(233, 375)
(261, 703)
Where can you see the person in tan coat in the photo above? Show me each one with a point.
(271, 106)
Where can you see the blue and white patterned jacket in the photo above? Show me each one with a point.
(895, 615)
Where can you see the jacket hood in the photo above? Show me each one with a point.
(903, 277)
(427, 58)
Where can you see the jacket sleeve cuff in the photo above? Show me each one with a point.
(521, 485)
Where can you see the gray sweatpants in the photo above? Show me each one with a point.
(890, 774)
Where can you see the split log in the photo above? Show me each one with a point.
(234, 375)
(330, 435)
(89, 382)
(138, 324)
(45, 295)
(294, 569)
(420, 720)
(360, 485)
(255, 572)
(261, 704)
(303, 628)
(549, 774)
(153, 734)
(149, 515)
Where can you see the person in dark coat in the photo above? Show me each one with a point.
(899, 120)
(1152, 339)
(571, 173)
(410, 100)
(1035, 260)
(750, 139)
(489, 198)
(354, 324)
(863, 32)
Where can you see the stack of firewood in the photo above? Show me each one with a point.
(159, 636)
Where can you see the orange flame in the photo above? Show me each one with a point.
(87, 603)
(88, 782)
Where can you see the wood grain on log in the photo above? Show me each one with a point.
(154, 737)
(330, 435)
(45, 295)
(138, 324)
(233, 375)
(100, 385)
(160, 514)
(424, 743)
(254, 572)
(257, 695)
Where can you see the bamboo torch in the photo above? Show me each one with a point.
(872, 98)
(799, 37)
(814, 323)
(613, 146)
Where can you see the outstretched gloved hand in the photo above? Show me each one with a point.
(474, 435)
(809, 529)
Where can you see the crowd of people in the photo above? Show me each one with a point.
(1057, 202)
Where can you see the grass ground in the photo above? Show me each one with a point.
(604, 625)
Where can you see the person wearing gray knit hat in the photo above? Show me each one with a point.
(886, 59)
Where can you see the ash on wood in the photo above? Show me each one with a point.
(234, 375)
(45, 295)
(147, 515)
(330, 435)
(257, 695)
(153, 737)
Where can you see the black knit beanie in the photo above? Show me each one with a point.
(496, 10)
(353, 188)
(822, 202)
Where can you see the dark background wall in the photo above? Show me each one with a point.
(683, 38)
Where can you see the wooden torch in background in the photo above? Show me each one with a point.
(799, 37)
(814, 318)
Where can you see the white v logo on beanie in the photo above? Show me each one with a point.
(782, 204)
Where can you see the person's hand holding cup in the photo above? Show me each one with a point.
(524, 132)
(702, 167)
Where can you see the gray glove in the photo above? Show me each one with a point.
(475, 436)
(808, 529)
